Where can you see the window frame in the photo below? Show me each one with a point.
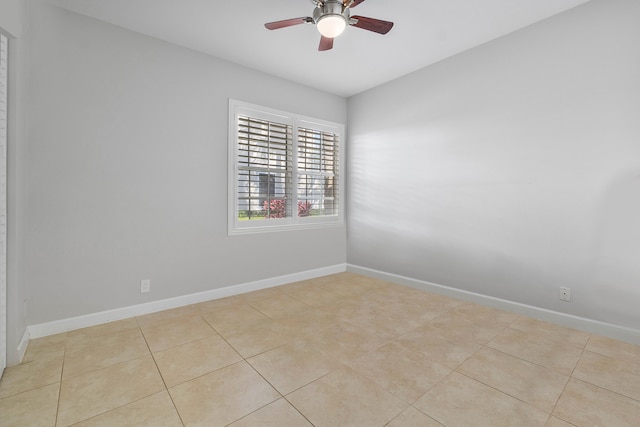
(294, 222)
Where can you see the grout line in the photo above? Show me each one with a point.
(175, 408)
(298, 410)
(64, 357)
(558, 399)
(528, 361)
(505, 393)
(166, 389)
(624, 396)
(154, 359)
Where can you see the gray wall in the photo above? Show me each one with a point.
(128, 170)
(511, 169)
(13, 19)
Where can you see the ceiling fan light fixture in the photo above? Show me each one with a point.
(331, 26)
(331, 17)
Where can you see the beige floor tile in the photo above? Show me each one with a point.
(310, 283)
(309, 322)
(51, 346)
(382, 298)
(154, 411)
(420, 313)
(98, 330)
(277, 414)
(167, 316)
(485, 314)
(613, 374)
(234, 319)
(386, 324)
(423, 305)
(330, 278)
(261, 294)
(33, 408)
(292, 366)
(428, 300)
(395, 293)
(344, 288)
(394, 318)
(433, 300)
(106, 350)
(462, 401)
(400, 371)
(259, 339)
(31, 375)
(614, 348)
(345, 398)
(314, 296)
(586, 405)
(531, 383)
(344, 342)
(364, 281)
(411, 417)
(333, 350)
(539, 350)
(435, 347)
(176, 333)
(188, 361)
(88, 395)
(349, 308)
(279, 306)
(558, 333)
(219, 304)
(345, 300)
(557, 422)
(459, 327)
(223, 396)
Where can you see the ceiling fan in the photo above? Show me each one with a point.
(331, 17)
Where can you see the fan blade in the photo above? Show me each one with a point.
(371, 24)
(287, 23)
(326, 43)
(354, 3)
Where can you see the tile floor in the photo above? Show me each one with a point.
(342, 350)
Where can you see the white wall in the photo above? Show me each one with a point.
(12, 17)
(511, 169)
(13, 20)
(128, 170)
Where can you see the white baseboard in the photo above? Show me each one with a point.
(592, 326)
(22, 345)
(65, 325)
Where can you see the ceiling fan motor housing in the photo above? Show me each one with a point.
(331, 8)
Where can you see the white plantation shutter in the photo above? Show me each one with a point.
(318, 166)
(284, 170)
(264, 168)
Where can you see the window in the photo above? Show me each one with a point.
(284, 170)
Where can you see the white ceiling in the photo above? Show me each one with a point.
(425, 31)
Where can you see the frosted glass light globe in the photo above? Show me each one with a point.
(331, 25)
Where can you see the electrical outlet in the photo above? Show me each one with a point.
(145, 286)
(564, 293)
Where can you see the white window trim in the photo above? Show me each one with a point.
(236, 227)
